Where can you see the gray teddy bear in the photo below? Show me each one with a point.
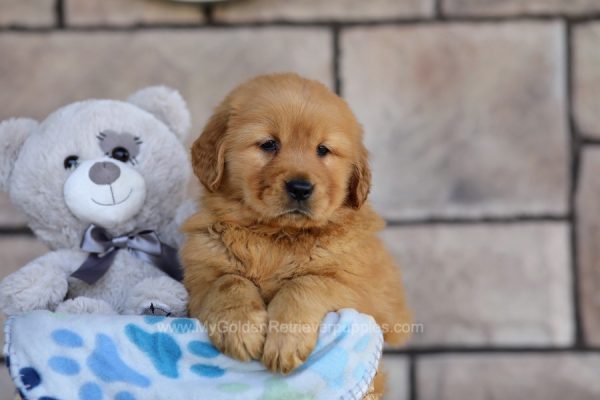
(102, 183)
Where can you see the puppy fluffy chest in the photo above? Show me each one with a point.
(271, 260)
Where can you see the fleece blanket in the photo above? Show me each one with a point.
(95, 357)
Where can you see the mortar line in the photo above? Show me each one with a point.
(15, 230)
(59, 14)
(336, 47)
(413, 390)
(490, 220)
(438, 10)
(442, 221)
(216, 25)
(589, 141)
(209, 15)
(490, 349)
(575, 161)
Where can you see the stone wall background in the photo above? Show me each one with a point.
(482, 117)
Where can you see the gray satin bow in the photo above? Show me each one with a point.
(144, 245)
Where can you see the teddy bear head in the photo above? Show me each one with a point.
(120, 165)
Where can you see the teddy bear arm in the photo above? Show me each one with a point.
(157, 296)
(40, 284)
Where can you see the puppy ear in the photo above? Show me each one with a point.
(208, 151)
(359, 184)
(13, 133)
(167, 105)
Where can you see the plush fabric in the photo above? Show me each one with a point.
(68, 172)
(89, 357)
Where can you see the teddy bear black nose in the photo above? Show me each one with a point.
(104, 173)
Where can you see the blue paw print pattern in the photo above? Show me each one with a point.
(335, 360)
(104, 362)
(207, 371)
(362, 343)
(64, 365)
(124, 396)
(203, 349)
(183, 325)
(331, 366)
(165, 353)
(153, 319)
(30, 378)
(107, 365)
(67, 338)
(161, 348)
(96, 363)
(90, 391)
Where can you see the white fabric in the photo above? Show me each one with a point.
(89, 357)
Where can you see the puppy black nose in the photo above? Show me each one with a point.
(104, 173)
(299, 189)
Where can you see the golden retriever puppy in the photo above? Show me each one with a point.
(285, 234)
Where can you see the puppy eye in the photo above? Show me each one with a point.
(71, 162)
(120, 153)
(322, 151)
(270, 146)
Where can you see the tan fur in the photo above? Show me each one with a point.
(248, 260)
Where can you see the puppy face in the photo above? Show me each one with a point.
(287, 148)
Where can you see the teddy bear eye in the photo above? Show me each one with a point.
(120, 153)
(71, 162)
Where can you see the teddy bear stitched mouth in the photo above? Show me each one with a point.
(115, 203)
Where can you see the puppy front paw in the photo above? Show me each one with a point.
(239, 332)
(287, 348)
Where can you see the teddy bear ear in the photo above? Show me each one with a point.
(13, 133)
(167, 105)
